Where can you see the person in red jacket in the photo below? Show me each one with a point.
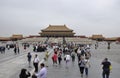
(54, 58)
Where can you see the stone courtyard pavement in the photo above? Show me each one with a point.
(11, 65)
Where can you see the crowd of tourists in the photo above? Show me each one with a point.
(39, 48)
(5, 47)
(66, 53)
(82, 53)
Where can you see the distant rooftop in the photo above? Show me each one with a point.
(97, 36)
(57, 28)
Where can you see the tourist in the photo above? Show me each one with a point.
(25, 46)
(43, 72)
(79, 53)
(59, 58)
(108, 45)
(87, 66)
(106, 68)
(29, 56)
(24, 73)
(46, 58)
(73, 56)
(54, 58)
(67, 59)
(36, 62)
(81, 65)
(16, 50)
(8, 47)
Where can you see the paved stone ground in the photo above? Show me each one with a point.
(11, 65)
(95, 70)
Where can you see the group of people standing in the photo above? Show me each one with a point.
(42, 73)
(35, 61)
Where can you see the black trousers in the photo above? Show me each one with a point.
(59, 60)
(105, 74)
(36, 67)
(82, 70)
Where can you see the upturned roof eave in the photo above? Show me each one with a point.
(57, 30)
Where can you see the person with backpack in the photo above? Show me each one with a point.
(73, 56)
(81, 65)
(106, 68)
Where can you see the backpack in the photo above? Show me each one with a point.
(73, 55)
(82, 52)
(82, 63)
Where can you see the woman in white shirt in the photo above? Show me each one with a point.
(67, 59)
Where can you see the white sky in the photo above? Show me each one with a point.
(85, 17)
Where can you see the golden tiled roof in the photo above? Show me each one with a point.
(17, 36)
(57, 28)
(97, 36)
(112, 38)
(4, 38)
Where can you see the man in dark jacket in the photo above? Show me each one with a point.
(29, 56)
(106, 68)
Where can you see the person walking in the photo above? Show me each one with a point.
(67, 59)
(81, 65)
(29, 56)
(24, 73)
(15, 49)
(43, 72)
(73, 56)
(46, 58)
(59, 58)
(79, 53)
(8, 47)
(54, 58)
(36, 62)
(87, 66)
(106, 68)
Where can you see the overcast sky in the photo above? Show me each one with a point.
(85, 17)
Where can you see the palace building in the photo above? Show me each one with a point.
(98, 37)
(57, 31)
(16, 37)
